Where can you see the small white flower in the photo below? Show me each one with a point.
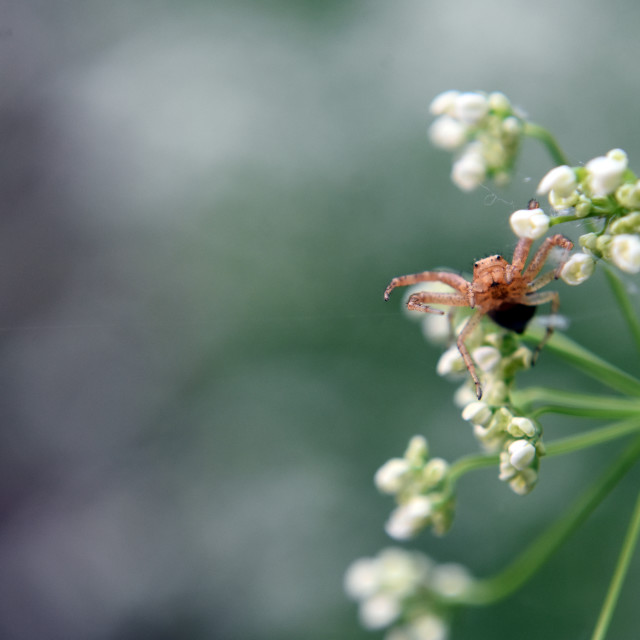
(447, 133)
(487, 358)
(362, 578)
(470, 107)
(578, 268)
(605, 172)
(390, 477)
(379, 611)
(625, 252)
(561, 180)
(529, 223)
(469, 171)
(477, 412)
(520, 426)
(521, 454)
(443, 102)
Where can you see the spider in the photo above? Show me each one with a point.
(507, 293)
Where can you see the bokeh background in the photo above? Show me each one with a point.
(201, 205)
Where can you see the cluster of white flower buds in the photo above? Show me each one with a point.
(407, 590)
(495, 426)
(422, 490)
(606, 188)
(516, 438)
(483, 129)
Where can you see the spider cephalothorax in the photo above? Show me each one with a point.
(507, 293)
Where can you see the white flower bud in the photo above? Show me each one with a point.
(443, 103)
(417, 450)
(435, 471)
(628, 195)
(625, 252)
(451, 579)
(561, 203)
(524, 481)
(470, 107)
(390, 477)
(512, 126)
(428, 627)
(447, 133)
(487, 358)
(407, 519)
(362, 579)
(578, 268)
(450, 362)
(379, 611)
(529, 223)
(477, 412)
(469, 171)
(561, 180)
(521, 454)
(520, 426)
(436, 328)
(499, 102)
(605, 172)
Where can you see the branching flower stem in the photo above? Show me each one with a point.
(540, 133)
(626, 553)
(588, 362)
(574, 404)
(517, 573)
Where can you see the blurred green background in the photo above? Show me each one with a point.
(202, 204)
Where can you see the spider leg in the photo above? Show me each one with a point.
(472, 323)
(541, 281)
(420, 301)
(451, 279)
(538, 260)
(535, 299)
(520, 254)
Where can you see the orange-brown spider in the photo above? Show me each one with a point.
(507, 293)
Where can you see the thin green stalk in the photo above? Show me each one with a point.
(587, 362)
(619, 574)
(490, 590)
(575, 404)
(622, 297)
(471, 463)
(540, 133)
(593, 437)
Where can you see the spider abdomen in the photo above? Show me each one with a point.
(513, 316)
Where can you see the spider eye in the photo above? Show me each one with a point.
(475, 265)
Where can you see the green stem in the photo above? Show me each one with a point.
(575, 404)
(471, 463)
(622, 297)
(628, 546)
(540, 133)
(593, 437)
(517, 573)
(588, 362)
